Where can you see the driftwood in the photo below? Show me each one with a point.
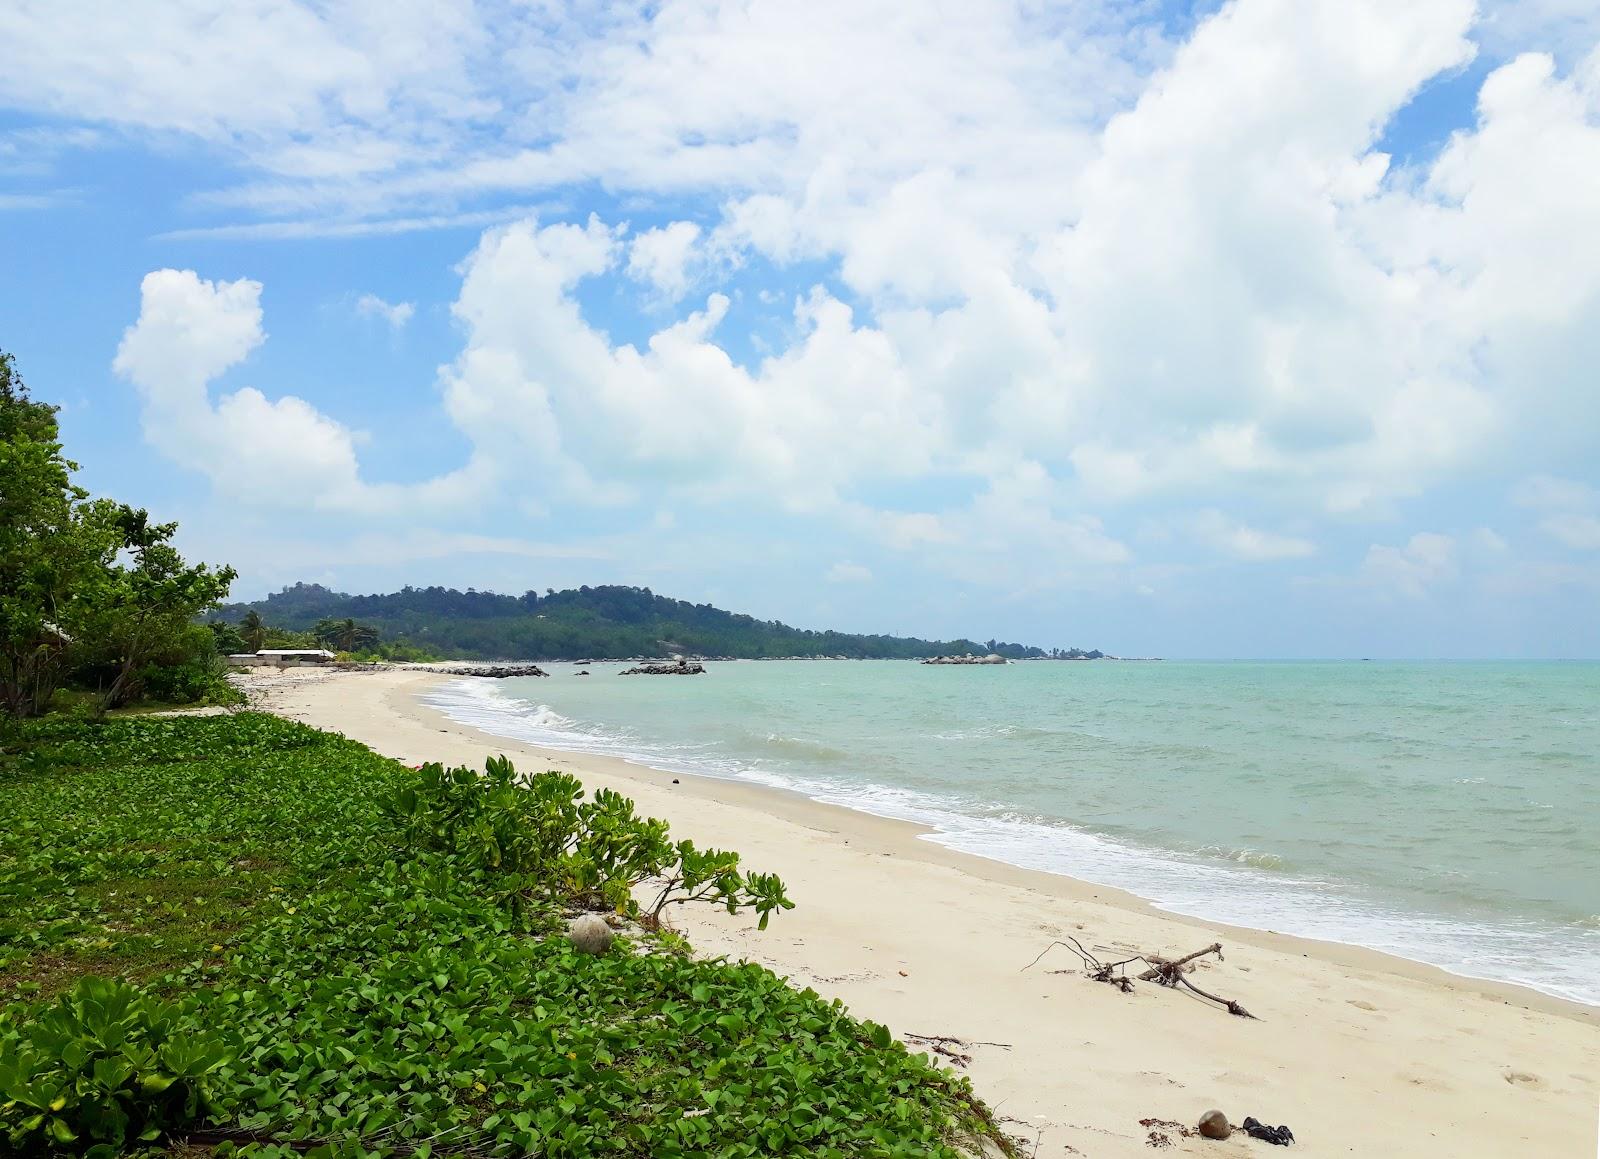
(1172, 974)
(946, 1046)
(1161, 971)
(1111, 972)
(1228, 1004)
(1162, 968)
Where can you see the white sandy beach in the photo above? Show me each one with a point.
(1359, 1053)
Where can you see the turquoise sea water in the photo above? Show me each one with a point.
(1446, 812)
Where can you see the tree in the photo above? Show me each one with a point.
(253, 631)
(353, 636)
(136, 611)
(226, 639)
(52, 540)
(346, 635)
(89, 588)
(323, 630)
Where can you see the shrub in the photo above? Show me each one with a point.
(185, 669)
(537, 837)
(103, 1067)
(179, 684)
(344, 994)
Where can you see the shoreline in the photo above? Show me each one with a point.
(791, 801)
(1520, 1069)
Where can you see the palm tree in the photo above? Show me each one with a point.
(345, 635)
(253, 631)
(325, 631)
(354, 636)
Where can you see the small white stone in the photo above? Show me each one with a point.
(590, 934)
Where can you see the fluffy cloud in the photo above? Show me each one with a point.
(1242, 542)
(1547, 492)
(832, 409)
(396, 314)
(1564, 26)
(1567, 509)
(357, 89)
(1577, 531)
(1427, 559)
(274, 453)
(1068, 267)
(188, 333)
(663, 257)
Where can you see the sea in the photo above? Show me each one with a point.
(1448, 813)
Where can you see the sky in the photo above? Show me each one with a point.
(1266, 328)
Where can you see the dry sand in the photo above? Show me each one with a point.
(1358, 1052)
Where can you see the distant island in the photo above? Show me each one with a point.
(590, 622)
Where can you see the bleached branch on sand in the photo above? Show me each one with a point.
(1161, 971)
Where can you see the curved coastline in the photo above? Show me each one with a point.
(1169, 883)
(932, 940)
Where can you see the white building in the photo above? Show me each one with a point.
(282, 658)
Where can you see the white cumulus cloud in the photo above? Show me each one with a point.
(1214, 529)
(1055, 262)
(1428, 558)
(1577, 531)
(281, 452)
(663, 257)
(396, 314)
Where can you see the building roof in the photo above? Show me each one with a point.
(322, 652)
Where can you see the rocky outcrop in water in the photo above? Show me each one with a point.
(492, 671)
(681, 668)
(969, 658)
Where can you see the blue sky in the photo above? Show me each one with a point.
(1259, 329)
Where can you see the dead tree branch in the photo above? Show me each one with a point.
(1161, 969)
(950, 1047)
(1093, 966)
(941, 1045)
(1228, 1004)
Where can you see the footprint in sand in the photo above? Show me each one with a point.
(1360, 1005)
(1522, 1078)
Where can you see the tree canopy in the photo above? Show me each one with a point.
(91, 590)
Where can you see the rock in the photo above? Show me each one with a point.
(1215, 1125)
(491, 671)
(679, 668)
(590, 934)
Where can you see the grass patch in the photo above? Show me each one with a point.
(146, 842)
(308, 970)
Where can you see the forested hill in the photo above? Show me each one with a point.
(586, 622)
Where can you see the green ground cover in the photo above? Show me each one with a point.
(239, 933)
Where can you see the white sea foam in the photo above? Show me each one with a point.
(481, 705)
(1239, 886)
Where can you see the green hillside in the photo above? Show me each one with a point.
(605, 621)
